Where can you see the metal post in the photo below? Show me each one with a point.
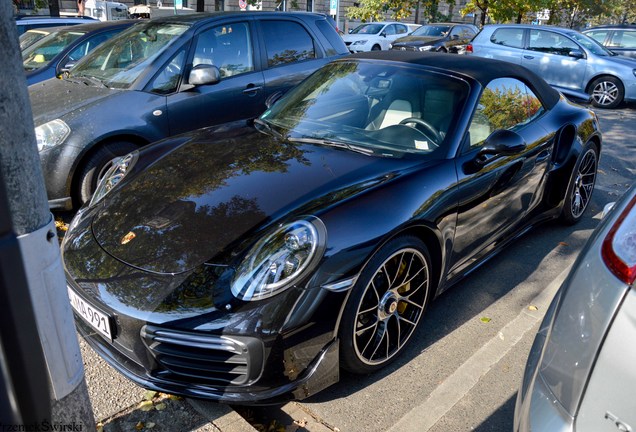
(32, 222)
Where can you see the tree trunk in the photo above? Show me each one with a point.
(54, 8)
(200, 5)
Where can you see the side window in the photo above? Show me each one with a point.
(402, 29)
(551, 43)
(506, 103)
(469, 32)
(390, 30)
(456, 31)
(167, 79)
(512, 37)
(228, 47)
(287, 42)
(598, 35)
(624, 39)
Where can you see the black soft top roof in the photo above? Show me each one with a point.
(480, 69)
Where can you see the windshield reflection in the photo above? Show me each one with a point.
(118, 62)
(41, 53)
(371, 108)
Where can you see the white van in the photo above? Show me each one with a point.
(105, 10)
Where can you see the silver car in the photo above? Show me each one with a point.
(568, 60)
(581, 371)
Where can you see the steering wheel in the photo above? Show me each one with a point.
(429, 131)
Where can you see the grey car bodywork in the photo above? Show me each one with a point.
(584, 66)
(580, 373)
(109, 122)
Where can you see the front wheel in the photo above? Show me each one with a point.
(97, 165)
(579, 192)
(607, 92)
(386, 305)
(376, 48)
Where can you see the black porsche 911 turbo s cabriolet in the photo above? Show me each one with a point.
(249, 262)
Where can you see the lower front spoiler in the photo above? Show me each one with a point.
(323, 371)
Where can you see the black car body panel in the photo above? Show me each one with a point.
(240, 182)
(137, 114)
(453, 40)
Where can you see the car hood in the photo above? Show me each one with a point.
(622, 60)
(416, 40)
(216, 191)
(56, 98)
(357, 37)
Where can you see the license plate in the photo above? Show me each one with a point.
(96, 319)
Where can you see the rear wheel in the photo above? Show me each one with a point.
(607, 92)
(579, 192)
(386, 305)
(96, 166)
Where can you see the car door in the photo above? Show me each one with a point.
(548, 55)
(499, 191)
(230, 46)
(289, 53)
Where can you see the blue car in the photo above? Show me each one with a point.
(62, 48)
(568, 60)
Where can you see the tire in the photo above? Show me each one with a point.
(376, 48)
(607, 92)
(581, 186)
(382, 314)
(442, 50)
(96, 166)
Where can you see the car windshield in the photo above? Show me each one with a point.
(30, 37)
(368, 29)
(591, 44)
(375, 108)
(42, 52)
(431, 30)
(118, 62)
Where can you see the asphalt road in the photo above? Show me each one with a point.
(463, 371)
(464, 368)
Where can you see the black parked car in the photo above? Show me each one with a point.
(440, 37)
(164, 77)
(620, 39)
(63, 47)
(316, 237)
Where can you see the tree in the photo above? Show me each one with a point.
(374, 10)
(575, 13)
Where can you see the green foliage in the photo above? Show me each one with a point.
(509, 107)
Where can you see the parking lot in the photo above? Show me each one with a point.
(464, 369)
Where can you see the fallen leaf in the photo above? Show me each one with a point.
(160, 406)
(149, 395)
(501, 336)
(150, 425)
(174, 397)
(100, 427)
(563, 244)
(139, 426)
(485, 319)
(533, 308)
(146, 406)
(301, 423)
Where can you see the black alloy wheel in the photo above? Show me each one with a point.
(386, 305)
(579, 192)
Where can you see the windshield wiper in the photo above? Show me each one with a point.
(332, 143)
(86, 79)
(269, 128)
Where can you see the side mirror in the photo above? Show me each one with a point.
(383, 34)
(576, 53)
(203, 74)
(501, 142)
(350, 31)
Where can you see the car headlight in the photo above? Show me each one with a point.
(118, 170)
(426, 48)
(360, 42)
(51, 134)
(280, 259)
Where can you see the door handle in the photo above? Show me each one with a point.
(252, 89)
(529, 57)
(543, 155)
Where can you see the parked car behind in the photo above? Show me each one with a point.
(27, 22)
(440, 37)
(374, 36)
(31, 36)
(620, 39)
(580, 371)
(568, 60)
(250, 262)
(166, 76)
(63, 47)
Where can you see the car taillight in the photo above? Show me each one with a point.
(619, 247)
(469, 48)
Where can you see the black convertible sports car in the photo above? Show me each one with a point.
(248, 262)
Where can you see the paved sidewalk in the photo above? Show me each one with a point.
(121, 406)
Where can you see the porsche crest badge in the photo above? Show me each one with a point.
(128, 238)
